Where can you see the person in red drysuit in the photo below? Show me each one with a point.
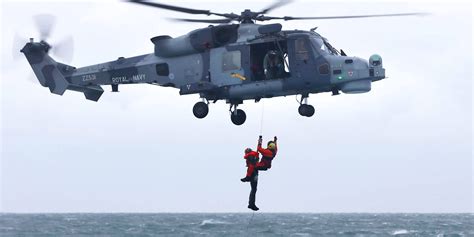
(252, 158)
(267, 154)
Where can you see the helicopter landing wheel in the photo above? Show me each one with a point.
(200, 110)
(238, 117)
(306, 110)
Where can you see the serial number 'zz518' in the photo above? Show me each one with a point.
(90, 77)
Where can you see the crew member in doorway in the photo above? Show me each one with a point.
(274, 65)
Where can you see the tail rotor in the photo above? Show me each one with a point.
(45, 23)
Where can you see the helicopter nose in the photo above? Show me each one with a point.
(348, 68)
(354, 75)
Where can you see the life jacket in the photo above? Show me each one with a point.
(252, 158)
(269, 158)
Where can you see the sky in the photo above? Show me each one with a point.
(404, 147)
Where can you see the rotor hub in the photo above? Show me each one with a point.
(248, 17)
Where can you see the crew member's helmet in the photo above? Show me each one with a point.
(272, 54)
(271, 145)
(248, 150)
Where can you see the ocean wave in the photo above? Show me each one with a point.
(403, 232)
(400, 232)
(301, 234)
(357, 233)
(237, 225)
(6, 228)
(211, 222)
(450, 235)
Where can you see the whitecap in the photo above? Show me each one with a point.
(400, 232)
(301, 234)
(212, 222)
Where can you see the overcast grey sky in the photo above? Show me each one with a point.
(404, 147)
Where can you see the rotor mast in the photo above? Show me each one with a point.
(247, 17)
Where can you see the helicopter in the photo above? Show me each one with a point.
(234, 59)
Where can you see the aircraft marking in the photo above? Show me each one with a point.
(90, 77)
(133, 78)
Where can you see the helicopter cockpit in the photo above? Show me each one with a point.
(322, 46)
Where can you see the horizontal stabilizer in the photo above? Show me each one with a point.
(90, 92)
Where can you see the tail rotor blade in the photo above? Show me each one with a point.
(64, 49)
(18, 43)
(32, 78)
(45, 24)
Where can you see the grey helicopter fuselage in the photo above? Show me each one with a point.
(223, 62)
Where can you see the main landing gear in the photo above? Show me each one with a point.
(305, 109)
(201, 110)
(238, 116)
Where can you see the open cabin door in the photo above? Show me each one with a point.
(269, 61)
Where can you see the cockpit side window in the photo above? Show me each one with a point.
(302, 50)
(323, 47)
(320, 46)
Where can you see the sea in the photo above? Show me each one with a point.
(237, 224)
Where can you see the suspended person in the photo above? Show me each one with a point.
(268, 154)
(251, 158)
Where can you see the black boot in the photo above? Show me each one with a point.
(246, 179)
(253, 207)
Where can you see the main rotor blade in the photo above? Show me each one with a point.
(216, 21)
(178, 9)
(289, 18)
(275, 5)
(45, 24)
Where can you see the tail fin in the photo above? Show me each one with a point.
(54, 75)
